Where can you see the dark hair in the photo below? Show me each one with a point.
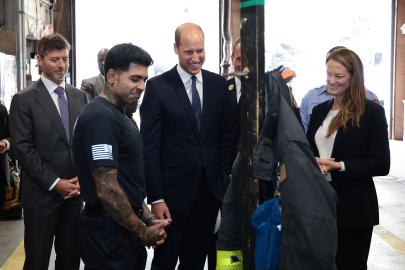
(52, 42)
(122, 55)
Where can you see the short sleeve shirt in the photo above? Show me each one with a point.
(105, 137)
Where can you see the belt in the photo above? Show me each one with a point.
(99, 210)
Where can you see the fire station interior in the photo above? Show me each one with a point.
(297, 35)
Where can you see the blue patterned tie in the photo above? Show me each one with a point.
(63, 109)
(196, 102)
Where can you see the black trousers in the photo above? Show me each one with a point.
(42, 226)
(353, 249)
(106, 245)
(189, 236)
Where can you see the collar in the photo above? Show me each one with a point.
(50, 85)
(322, 90)
(185, 76)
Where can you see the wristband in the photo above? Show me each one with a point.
(149, 220)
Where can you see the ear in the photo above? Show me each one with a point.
(176, 49)
(39, 59)
(111, 75)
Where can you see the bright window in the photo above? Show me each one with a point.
(299, 34)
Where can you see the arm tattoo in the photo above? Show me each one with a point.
(114, 200)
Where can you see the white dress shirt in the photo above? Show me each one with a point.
(51, 86)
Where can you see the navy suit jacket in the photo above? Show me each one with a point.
(40, 143)
(365, 153)
(175, 150)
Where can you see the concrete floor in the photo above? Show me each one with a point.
(387, 248)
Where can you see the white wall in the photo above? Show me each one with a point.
(148, 24)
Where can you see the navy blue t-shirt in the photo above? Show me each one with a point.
(105, 137)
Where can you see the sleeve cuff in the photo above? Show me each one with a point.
(342, 166)
(157, 201)
(54, 184)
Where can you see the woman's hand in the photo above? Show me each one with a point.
(328, 164)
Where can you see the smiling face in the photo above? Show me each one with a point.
(190, 50)
(54, 64)
(127, 86)
(338, 78)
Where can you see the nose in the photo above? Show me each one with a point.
(61, 63)
(141, 86)
(195, 57)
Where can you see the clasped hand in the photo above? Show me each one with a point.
(68, 188)
(155, 234)
(327, 164)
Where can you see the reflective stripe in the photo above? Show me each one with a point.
(229, 260)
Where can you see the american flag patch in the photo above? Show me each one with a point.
(101, 151)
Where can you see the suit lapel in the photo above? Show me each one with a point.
(207, 102)
(322, 115)
(181, 93)
(231, 87)
(45, 100)
(74, 107)
(338, 140)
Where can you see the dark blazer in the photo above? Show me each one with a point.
(365, 153)
(93, 86)
(4, 166)
(4, 134)
(175, 150)
(40, 143)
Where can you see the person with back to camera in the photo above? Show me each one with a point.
(94, 85)
(107, 146)
(187, 143)
(349, 138)
(318, 95)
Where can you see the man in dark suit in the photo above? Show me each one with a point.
(94, 85)
(187, 144)
(41, 124)
(234, 86)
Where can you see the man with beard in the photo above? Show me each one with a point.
(108, 152)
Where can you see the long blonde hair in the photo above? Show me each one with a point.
(354, 99)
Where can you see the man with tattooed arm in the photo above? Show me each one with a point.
(107, 146)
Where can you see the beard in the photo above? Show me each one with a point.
(129, 109)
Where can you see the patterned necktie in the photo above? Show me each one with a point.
(63, 109)
(195, 101)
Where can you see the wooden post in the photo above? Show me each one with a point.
(252, 45)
